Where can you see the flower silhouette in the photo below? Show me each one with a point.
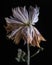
(20, 26)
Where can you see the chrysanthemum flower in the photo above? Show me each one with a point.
(20, 26)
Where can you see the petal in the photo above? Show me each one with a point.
(18, 14)
(28, 34)
(39, 35)
(11, 27)
(8, 20)
(31, 11)
(14, 32)
(17, 37)
(19, 10)
(34, 20)
(24, 31)
(33, 14)
(25, 13)
(37, 38)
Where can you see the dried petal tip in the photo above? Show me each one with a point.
(42, 38)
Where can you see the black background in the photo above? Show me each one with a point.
(8, 50)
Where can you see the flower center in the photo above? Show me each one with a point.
(27, 24)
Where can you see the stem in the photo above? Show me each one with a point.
(35, 53)
(41, 49)
(28, 51)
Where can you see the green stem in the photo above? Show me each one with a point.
(28, 51)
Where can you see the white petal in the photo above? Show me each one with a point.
(17, 15)
(35, 15)
(28, 32)
(31, 32)
(21, 14)
(25, 13)
(8, 20)
(24, 31)
(35, 20)
(31, 11)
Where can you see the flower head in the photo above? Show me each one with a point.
(21, 26)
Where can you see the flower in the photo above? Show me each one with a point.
(20, 26)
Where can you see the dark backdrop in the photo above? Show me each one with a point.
(8, 50)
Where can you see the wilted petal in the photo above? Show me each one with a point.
(35, 20)
(37, 38)
(8, 20)
(11, 27)
(14, 32)
(28, 34)
(21, 26)
(38, 33)
(19, 10)
(25, 13)
(17, 14)
(33, 14)
(24, 31)
(17, 37)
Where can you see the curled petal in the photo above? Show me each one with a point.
(37, 38)
(33, 14)
(38, 33)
